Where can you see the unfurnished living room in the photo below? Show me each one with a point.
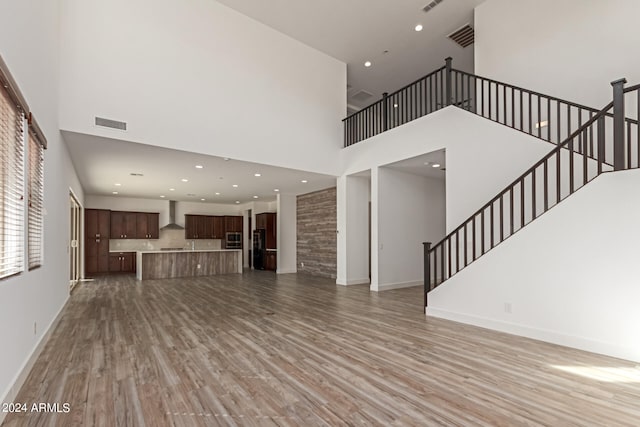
(373, 212)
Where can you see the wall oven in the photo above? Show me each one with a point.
(233, 240)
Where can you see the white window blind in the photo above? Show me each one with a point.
(12, 184)
(35, 212)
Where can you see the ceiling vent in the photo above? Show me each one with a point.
(108, 123)
(431, 5)
(463, 36)
(361, 96)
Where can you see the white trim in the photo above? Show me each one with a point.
(24, 372)
(607, 349)
(389, 286)
(345, 282)
(286, 271)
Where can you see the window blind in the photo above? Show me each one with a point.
(12, 184)
(36, 190)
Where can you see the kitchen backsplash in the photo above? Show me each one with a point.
(168, 239)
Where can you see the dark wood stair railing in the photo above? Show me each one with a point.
(543, 116)
(607, 141)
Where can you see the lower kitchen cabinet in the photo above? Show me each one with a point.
(271, 260)
(122, 262)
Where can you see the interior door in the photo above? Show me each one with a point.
(75, 215)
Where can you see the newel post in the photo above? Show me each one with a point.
(618, 124)
(427, 270)
(448, 81)
(385, 111)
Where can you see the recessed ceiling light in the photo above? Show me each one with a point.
(184, 180)
(115, 192)
(418, 27)
(162, 197)
(235, 185)
(217, 194)
(276, 190)
(367, 64)
(304, 181)
(199, 166)
(257, 174)
(255, 197)
(117, 184)
(435, 165)
(237, 201)
(203, 199)
(172, 189)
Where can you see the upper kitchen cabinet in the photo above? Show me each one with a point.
(147, 225)
(197, 227)
(218, 227)
(233, 224)
(123, 225)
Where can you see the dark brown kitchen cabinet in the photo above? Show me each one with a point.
(197, 227)
(219, 229)
(122, 262)
(233, 224)
(268, 222)
(147, 225)
(123, 225)
(97, 231)
(271, 260)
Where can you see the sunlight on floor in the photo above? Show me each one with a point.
(604, 373)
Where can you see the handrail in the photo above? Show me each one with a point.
(539, 163)
(483, 96)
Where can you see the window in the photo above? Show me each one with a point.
(36, 184)
(12, 183)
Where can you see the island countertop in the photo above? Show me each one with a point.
(159, 264)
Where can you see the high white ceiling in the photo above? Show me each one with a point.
(101, 163)
(355, 31)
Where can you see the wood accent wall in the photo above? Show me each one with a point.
(185, 264)
(316, 225)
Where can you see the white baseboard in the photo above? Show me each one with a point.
(286, 270)
(22, 375)
(553, 337)
(389, 286)
(345, 282)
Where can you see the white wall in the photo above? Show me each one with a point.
(411, 210)
(571, 49)
(286, 233)
(353, 194)
(482, 156)
(197, 76)
(29, 46)
(569, 278)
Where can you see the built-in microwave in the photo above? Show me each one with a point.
(233, 240)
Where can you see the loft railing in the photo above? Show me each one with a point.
(543, 116)
(607, 141)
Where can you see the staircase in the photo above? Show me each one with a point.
(587, 142)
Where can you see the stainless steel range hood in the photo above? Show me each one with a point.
(172, 218)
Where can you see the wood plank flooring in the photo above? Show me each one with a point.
(264, 350)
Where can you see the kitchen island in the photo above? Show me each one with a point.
(187, 263)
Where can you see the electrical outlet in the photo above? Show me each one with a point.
(198, 266)
(302, 264)
(507, 307)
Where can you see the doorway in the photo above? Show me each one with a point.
(75, 215)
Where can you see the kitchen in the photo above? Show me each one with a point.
(132, 241)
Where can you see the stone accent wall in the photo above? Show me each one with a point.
(317, 225)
